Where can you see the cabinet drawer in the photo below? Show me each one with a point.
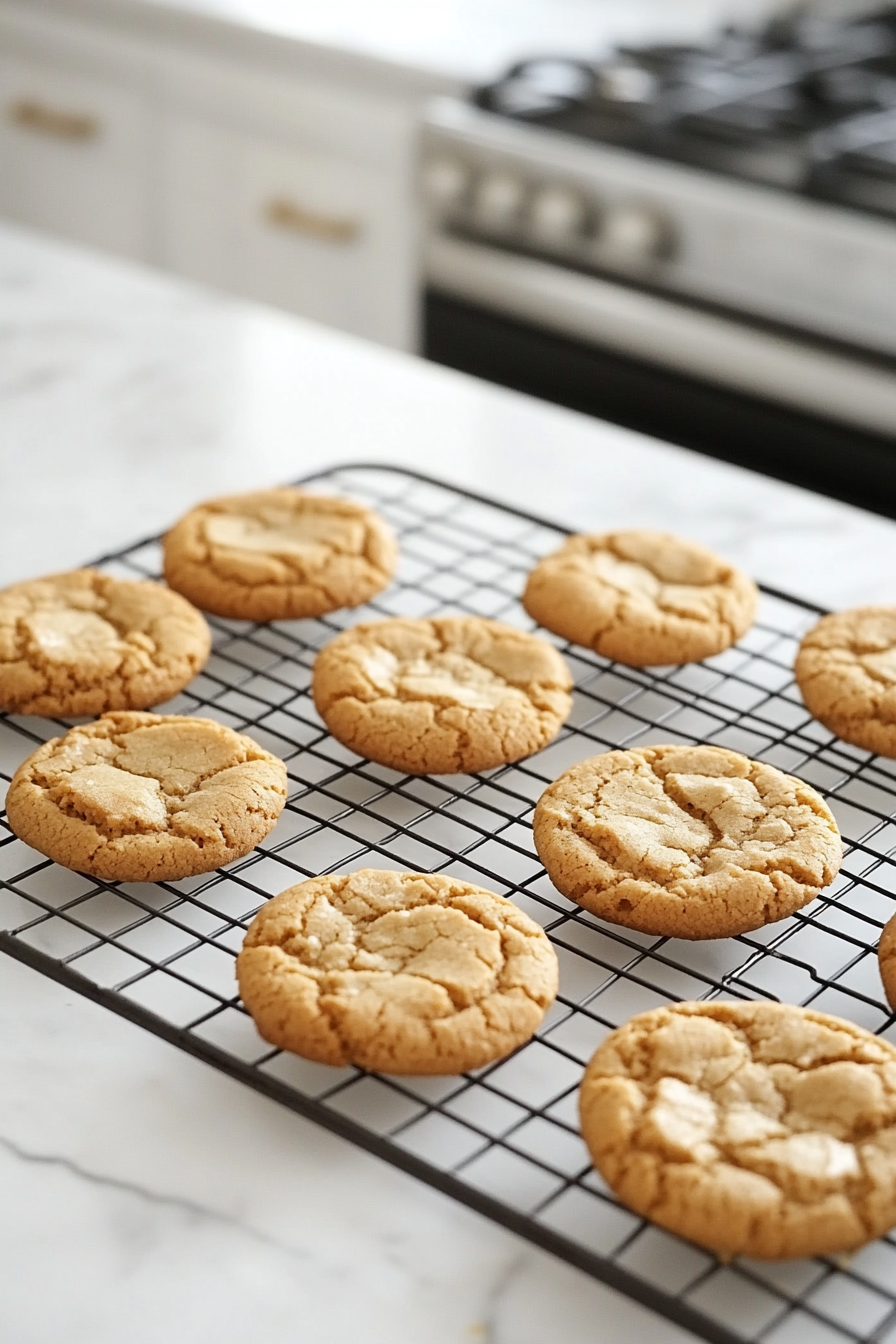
(322, 236)
(72, 155)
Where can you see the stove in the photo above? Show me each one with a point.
(722, 215)
(807, 104)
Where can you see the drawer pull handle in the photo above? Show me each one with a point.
(34, 116)
(282, 213)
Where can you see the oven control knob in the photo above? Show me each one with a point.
(635, 233)
(498, 199)
(446, 181)
(557, 215)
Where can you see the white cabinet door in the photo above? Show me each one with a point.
(325, 236)
(196, 226)
(292, 190)
(72, 154)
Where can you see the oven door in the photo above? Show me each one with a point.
(805, 411)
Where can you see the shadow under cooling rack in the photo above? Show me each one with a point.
(505, 1139)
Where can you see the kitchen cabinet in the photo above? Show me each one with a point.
(293, 197)
(321, 237)
(73, 153)
(293, 187)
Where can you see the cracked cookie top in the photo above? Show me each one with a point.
(457, 693)
(754, 1129)
(846, 672)
(146, 797)
(399, 972)
(83, 642)
(641, 597)
(688, 842)
(279, 555)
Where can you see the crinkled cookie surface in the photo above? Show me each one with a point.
(440, 696)
(846, 672)
(641, 597)
(689, 842)
(84, 642)
(279, 555)
(399, 972)
(754, 1129)
(146, 797)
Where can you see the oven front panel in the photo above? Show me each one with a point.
(665, 227)
(845, 462)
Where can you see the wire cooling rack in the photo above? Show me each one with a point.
(504, 1139)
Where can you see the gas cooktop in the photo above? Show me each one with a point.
(807, 104)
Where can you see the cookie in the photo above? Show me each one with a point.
(84, 642)
(458, 693)
(886, 955)
(146, 797)
(753, 1129)
(641, 597)
(398, 972)
(846, 672)
(279, 554)
(686, 842)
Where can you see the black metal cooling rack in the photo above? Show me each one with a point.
(503, 1140)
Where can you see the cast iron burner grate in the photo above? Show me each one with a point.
(503, 1140)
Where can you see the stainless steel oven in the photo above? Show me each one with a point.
(696, 242)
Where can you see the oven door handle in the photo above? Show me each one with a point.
(661, 331)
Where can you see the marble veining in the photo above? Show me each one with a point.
(189, 1207)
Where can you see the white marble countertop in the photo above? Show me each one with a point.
(145, 1195)
(456, 40)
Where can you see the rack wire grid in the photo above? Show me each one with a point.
(504, 1139)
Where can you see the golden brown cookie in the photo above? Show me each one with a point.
(846, 672)
(458, 693)
(641, 597)
(688, 842)
(279, 554)
(750, 1128)
(399, 972)
(886, 956)
(83, 642)
(146, 797)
